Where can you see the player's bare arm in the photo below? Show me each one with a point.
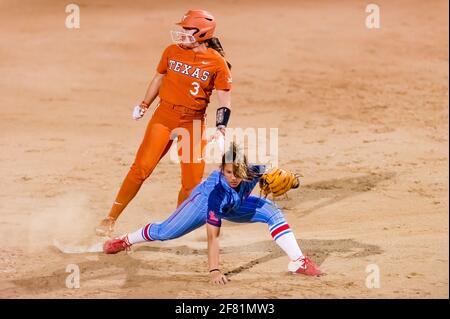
(150, 96)
(217, 277)
(153, 88)
(224, 97)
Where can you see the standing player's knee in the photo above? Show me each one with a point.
(192, 182)
(185, 191)
(189, 184)
(140, 171)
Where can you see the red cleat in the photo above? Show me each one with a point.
(113, 246)
(304, 266)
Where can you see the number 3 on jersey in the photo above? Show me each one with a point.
(196, 88)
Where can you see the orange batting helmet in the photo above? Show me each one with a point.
(200, 20)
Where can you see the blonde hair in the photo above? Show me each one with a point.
(236, 157)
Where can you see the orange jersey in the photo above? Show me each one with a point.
(190, 77)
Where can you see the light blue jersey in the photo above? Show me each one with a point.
(214, 200)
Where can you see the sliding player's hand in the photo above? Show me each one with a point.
(217, 278)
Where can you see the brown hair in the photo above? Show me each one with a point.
(240, 166)
(215, 44)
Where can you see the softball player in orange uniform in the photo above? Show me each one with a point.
(187, 73)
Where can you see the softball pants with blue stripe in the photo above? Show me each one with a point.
(193, 213)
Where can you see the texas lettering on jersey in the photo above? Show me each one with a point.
(190, 77)
(189, 70)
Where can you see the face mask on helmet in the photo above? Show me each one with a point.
(182, 36)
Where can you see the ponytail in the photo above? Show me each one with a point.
(214, 43)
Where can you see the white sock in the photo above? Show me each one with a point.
(283, 236)
(289, 244)
(139, 235)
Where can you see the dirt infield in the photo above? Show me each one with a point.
(361, 113)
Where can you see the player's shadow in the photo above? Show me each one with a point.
(333, 190)
(136, 270)
(317, 249)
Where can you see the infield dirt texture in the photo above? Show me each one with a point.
(361, 113)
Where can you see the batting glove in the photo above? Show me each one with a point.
(139, 110)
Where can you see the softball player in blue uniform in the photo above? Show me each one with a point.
(225, 194)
